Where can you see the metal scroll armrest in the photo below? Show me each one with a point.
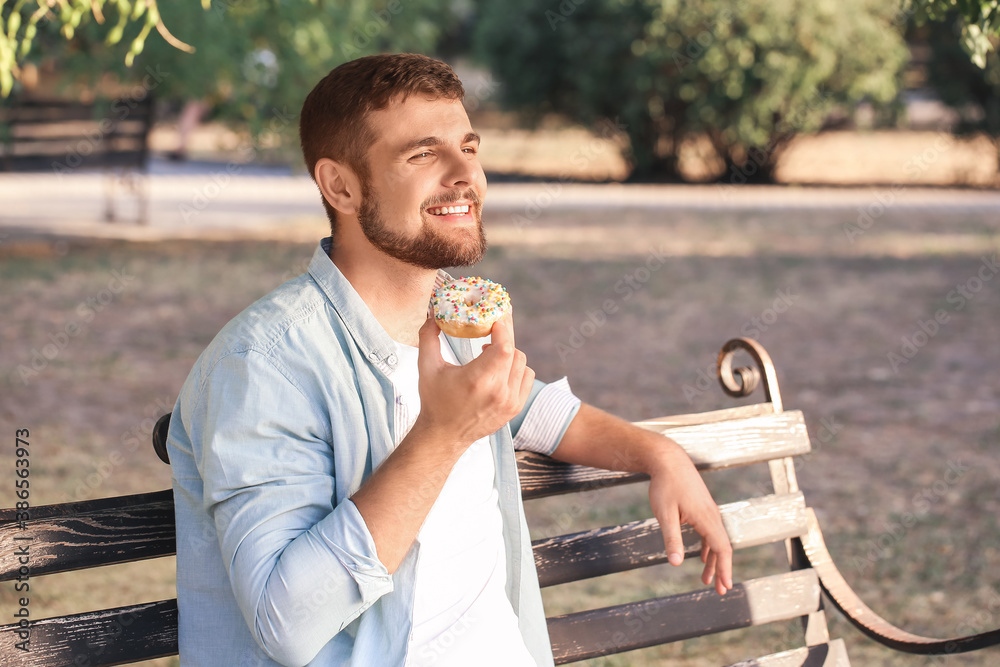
(810, 550)
(867, 621)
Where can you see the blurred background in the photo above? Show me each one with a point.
(819, 176)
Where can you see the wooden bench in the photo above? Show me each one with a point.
(115, 530)
(64, 137)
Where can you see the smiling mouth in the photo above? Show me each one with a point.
(449, 210)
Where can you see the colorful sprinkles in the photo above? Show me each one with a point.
(472, 300)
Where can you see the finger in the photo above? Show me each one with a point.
(724, 568)
(704, 551)
(708, 573)
(517, 365)
(720, 563)
(502, 331)
(672, 537)
(429, 346)
(498, 355)
(527, 382)
(722, 584)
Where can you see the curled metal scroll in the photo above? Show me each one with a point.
(160, 437)
(862, 617)
(742, 380)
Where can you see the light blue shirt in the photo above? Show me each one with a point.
(281, 420)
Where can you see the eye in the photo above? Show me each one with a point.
(471, 150)
(420, 156)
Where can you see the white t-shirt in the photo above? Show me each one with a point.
(461, 613)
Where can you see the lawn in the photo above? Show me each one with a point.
(98, 337)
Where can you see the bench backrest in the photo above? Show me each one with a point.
(62, 135)
(115, 530)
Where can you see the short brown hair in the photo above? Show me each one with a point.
(333, 122)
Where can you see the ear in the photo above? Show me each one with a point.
(339, 185)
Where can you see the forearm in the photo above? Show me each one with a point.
(396, 499)
(601, 440)
(677, 494)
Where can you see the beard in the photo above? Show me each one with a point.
(429, 249)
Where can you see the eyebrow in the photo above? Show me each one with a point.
(435, 141)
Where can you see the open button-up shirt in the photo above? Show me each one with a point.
(283, 417)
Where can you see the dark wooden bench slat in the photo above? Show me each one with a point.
(48, 112)
(542, 476)
(833, 654)
(37, 163)
(712, 446)
(637, 544)
(79, 144)
(626, 627)
(92, 533)
(75, 129)
(99, 638)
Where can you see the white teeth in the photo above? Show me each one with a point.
(447, 210)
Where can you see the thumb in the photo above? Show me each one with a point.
(430, 344)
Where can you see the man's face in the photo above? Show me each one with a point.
(424, 158)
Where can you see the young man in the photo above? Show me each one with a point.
(344, 475)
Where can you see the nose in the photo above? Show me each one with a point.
(463, 171)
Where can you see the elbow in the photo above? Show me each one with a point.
(284, 640)
(293, 635)
(285, 649)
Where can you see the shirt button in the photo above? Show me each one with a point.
(373, 356)
(391, 359)
(400, 400)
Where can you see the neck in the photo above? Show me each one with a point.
(395, 292)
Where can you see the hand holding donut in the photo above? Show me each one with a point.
(465, 403)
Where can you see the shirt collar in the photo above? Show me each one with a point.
(371, 338)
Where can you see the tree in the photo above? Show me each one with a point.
(977, 21)
(746, 75)
(251, 59)
(972, 91)
(20, 21)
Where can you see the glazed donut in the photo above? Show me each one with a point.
(468, 307)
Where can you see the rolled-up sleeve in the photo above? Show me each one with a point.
(547, 414)
(301, 567)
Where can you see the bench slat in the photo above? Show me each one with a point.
(54, 144)
(725, 414)
(833, 654)
(626, 627)
(54, 112)
(98, 638)
(90, 533)
(35, 163)
(712, 446)
(92, 132)
(637, 544)
(739, 442)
